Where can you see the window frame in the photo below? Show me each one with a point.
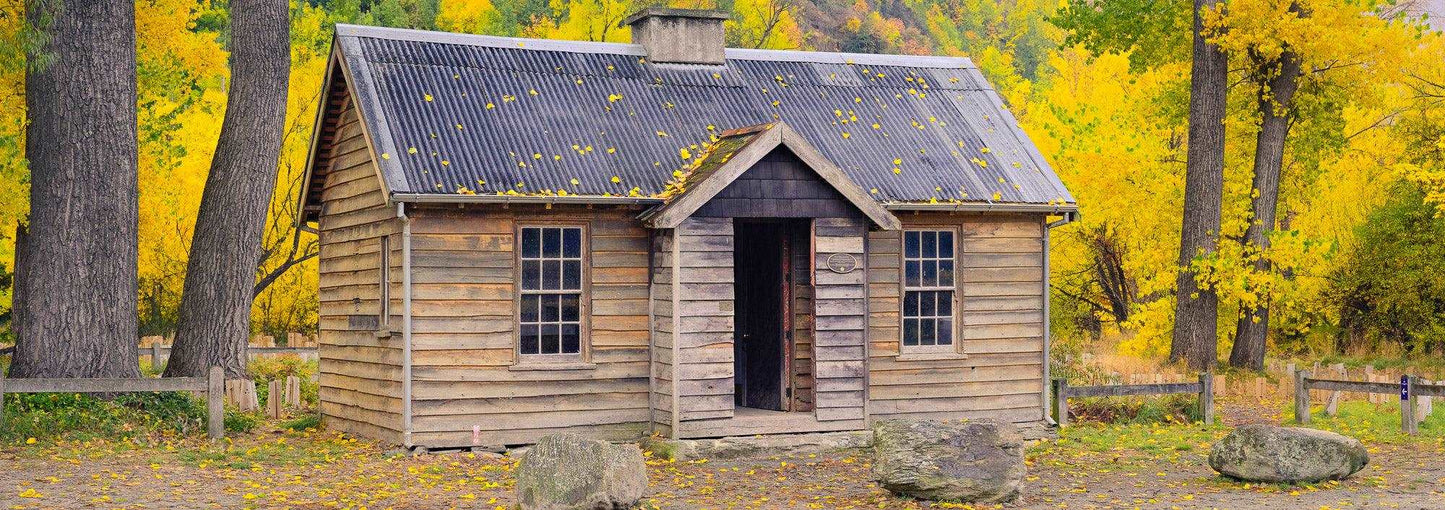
(955, 348)
(582, 358)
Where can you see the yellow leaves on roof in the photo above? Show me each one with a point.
(427, 97)
(616, 179)
(385, 156)
(662, 134)
(684, 153)
(490, 105)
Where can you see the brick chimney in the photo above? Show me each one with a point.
(679, 36)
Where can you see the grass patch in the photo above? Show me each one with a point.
(1375, 422)
(308, 422)
(309, 449)
(1126, 444)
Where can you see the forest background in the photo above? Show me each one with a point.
(1357, 253)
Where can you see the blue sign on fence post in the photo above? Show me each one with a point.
(1404, 388)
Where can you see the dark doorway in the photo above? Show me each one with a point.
(762, 296)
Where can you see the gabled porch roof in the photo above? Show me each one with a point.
(735, 152)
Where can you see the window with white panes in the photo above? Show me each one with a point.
(551, 286)
(928, 289)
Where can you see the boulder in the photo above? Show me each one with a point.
(1269, 453)
(967, 461)
(567, 472)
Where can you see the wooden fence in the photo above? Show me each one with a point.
(158, 352)
(1414, 396)
(210, 385)
(1204, 388)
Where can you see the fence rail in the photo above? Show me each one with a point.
(211, 385)
(1410, 390)
(1204, 388)
(157, 351)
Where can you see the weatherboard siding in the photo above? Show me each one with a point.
(1000, 322)
(840, 307)
(360, 370)
(663, 320)
(704, 306)
(466, 373)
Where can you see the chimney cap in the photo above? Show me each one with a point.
(669, 12)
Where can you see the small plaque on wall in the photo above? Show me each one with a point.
(842, 263)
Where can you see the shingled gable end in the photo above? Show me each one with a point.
(521, 237)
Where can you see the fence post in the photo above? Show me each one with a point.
(1407, 405)
(1061, 400)
(155, 355)
(2, 398)
(1302, 397)
(1206, 397)
(215, 413)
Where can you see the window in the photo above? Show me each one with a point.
(383, 314)
(928, 258)
(551, 291)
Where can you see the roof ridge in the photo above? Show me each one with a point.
(524, 43)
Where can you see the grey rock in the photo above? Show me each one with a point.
(1269, 453)
(567, 472)
(969, 461)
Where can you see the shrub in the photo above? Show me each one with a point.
(1177, 408)
(238, 422)
(83, 417)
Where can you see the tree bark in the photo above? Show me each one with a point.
(1277, 82)
(215, 313)
(77, 277)
(1196, 336)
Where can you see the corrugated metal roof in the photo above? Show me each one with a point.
(485, 114)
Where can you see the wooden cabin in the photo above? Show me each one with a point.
(522, 237)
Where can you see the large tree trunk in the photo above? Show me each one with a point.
(77, 277)
(215, 314)
(1196, 336)
(1278, 81)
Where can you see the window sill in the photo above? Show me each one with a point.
(930, 356)
(542, 365)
